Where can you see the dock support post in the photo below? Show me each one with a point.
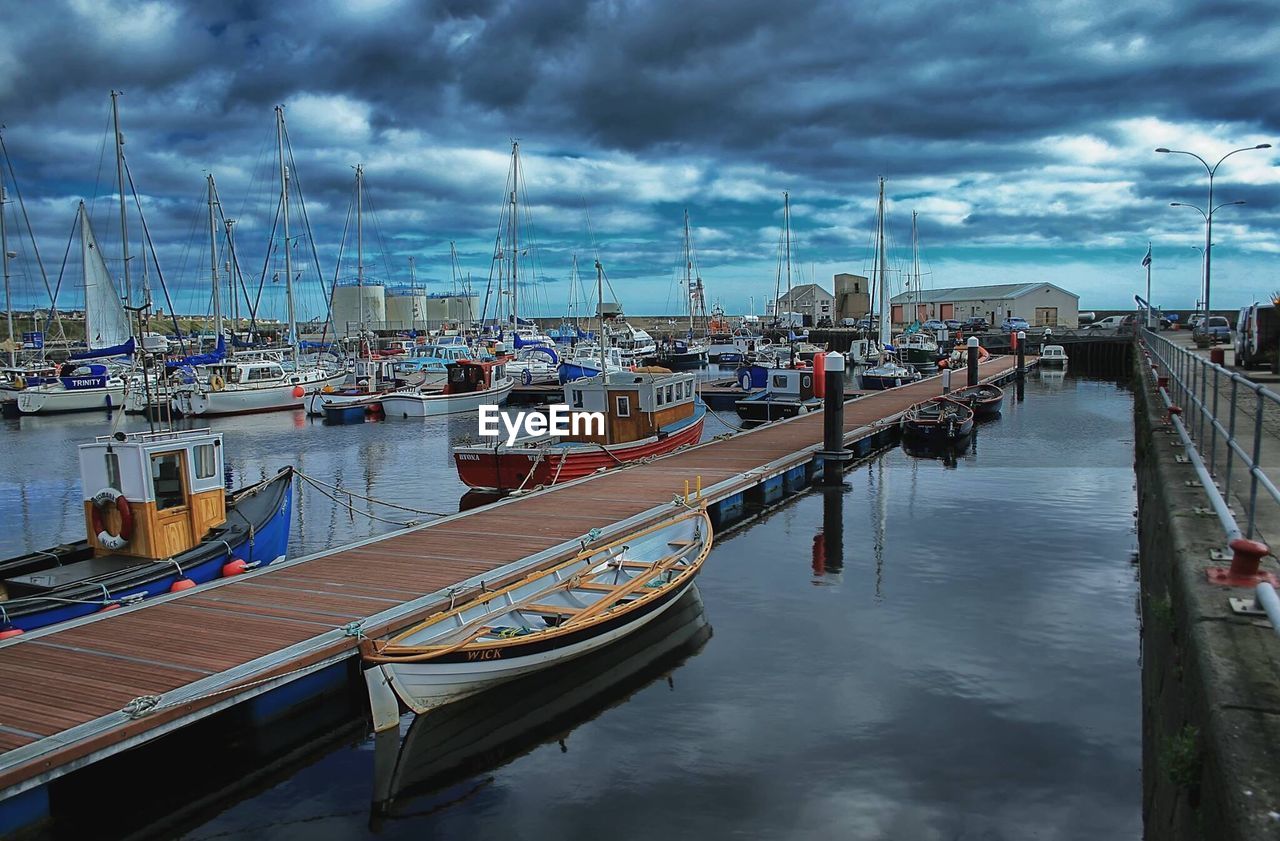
(946, 380)
(833, 452)
(383, 704)
(973, 360)
(1022, 355)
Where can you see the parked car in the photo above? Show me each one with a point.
(977, 322)
(952, 324)
(848, 322)
(1212, 331)
(1195, 321)
(868, 323)
(1012, 325)
(1257, 336)
(934, 324)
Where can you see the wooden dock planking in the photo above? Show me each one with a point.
(63, 678)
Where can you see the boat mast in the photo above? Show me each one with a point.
(786, 219)
(515, 234)
(604, 370)
(915, 264)
(688, 272)
(8, 298)
(233, 300)
(124, 224)
(284, 210)
(360, 241)
(213, 260)
(884, 277)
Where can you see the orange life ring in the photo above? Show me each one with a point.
(110, 497)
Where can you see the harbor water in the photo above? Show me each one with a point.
(940, 649)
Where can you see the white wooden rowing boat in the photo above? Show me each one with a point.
(553, 615)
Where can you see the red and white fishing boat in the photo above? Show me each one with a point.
(648, 412)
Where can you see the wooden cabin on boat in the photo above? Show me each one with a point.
(636, 404)
(172, 483)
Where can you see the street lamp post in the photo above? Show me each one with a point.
(1208, 217)
(1208, 248)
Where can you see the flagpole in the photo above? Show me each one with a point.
(1148, 262)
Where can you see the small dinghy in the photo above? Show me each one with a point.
(553, 615)
(938, 421)
(985, 400)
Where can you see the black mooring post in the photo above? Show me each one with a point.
(1022, 356)
(833, 452)
(833, 530)
(973, 360)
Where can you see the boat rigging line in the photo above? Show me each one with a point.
(325, 489)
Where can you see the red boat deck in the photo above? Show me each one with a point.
(65, 687)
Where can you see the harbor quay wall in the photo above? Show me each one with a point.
(1210, 678)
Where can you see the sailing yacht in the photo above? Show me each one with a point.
(686, 353)
(89, 380)
(267, 382)
(888, 372)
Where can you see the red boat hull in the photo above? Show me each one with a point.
(508, 469)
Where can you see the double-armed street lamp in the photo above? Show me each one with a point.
(1208, 215)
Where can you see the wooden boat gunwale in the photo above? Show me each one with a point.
(607, 609)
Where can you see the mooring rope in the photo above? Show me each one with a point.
(325, 489)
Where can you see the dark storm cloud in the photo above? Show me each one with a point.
(637, 109)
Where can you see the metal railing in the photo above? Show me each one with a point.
(1225, 417)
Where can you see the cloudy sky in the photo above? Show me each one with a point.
(1022, 133)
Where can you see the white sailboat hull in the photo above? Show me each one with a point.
(423, 687)
(412, 403)
(248, 400)
(50, 400)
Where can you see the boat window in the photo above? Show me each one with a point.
(779, 380)
(166, 479)
(577, 398)
(205, 466)
(671, 393)
(624, 406)
(658, 392)
(113, 470)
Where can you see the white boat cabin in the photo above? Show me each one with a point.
(171, 483)
(250, 374)
(1053, 354)
(791, 383)
(636, 404)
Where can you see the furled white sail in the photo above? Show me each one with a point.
(106, 324)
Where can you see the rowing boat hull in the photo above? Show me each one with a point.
(425, 686)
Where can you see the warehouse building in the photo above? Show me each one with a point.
(1041, 304)
(809, 300)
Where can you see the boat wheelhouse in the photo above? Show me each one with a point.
(1055, 355)
(787, 393)
(470, 384)
(156, 518)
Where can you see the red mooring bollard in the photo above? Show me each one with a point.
(1246, 555)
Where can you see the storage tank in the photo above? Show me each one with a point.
(406, 309)
(347, 307)
(463, 308)
(437, 309)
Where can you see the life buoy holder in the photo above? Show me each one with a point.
(217, 383)
(106, 498)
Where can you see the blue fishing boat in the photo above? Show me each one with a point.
(788, 392)
(585, 362)
(161, 521)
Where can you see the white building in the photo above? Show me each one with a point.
(1041, 304)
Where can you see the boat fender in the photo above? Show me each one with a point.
(217, 383)
(234, 567)
(10, 633)
(527, 377)
(101, 501)
(181, 584)
(298, 391)
(744, 380)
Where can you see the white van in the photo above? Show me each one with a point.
(1257, 335)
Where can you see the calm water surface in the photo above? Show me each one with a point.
(939, 651)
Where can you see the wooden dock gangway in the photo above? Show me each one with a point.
(91, 688)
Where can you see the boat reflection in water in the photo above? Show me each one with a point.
(949, 453)
(447, 746)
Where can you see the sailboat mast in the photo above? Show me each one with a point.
(8, 298)
(233, 300)
(688, 272)
(604, 370)
(786, 220)
(124, 223)
(360, 239)
(884, 277)
(284, 210)
(213, 260)
(515, 233)
(915, 265)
